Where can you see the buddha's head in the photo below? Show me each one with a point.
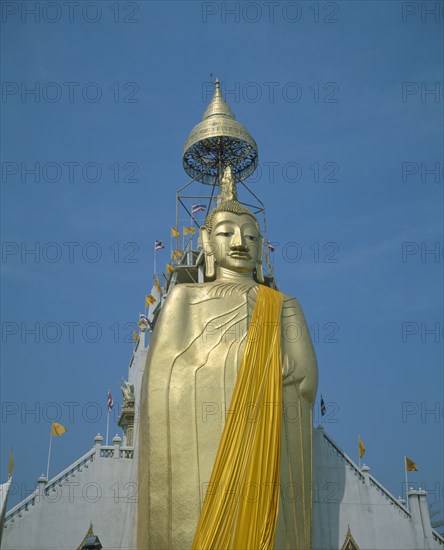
(231, 237)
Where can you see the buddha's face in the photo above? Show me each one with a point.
(235, 242)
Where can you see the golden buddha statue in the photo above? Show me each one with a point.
(201, 432)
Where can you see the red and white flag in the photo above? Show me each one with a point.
(110, 402)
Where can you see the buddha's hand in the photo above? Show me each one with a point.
(299, 360)
(291, 372)
(302, 375)
(288, 368)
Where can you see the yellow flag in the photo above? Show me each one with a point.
(57, 429)
(169, 268)
(157, 284)
(175, 233)
(11, 464)
(177, 254)
(135, 336)
(361, 447)
(149, 300)
(410, 465)
(189, 230)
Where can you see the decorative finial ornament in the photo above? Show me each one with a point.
(218, 106)
(227, 201)
(228, 191)
(219, 141)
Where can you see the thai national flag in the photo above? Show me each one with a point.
(270, 247)
(158, 245)
(195, 208)
(110, 402)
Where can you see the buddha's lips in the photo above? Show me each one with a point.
(240, 255)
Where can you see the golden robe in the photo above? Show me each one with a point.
(191, 369)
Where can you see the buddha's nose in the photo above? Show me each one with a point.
(238, 241)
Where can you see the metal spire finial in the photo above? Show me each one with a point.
(217, 142)
(218, 105)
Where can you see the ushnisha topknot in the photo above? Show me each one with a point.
(227, 201)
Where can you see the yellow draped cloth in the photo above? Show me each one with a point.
(241, 504)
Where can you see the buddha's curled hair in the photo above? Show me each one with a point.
(233, 207)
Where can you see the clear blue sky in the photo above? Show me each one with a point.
(340, 91)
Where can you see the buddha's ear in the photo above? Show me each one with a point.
(204, 240)
(260, 248)
(258, 267)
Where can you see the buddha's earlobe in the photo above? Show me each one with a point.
(258, 266)
(259, 272)
(210, 270)
(204, 238)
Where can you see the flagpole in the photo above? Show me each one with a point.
(154, 257)
(107, 427)
(406, 484)
(191, 236)
(359, 451)
(49, 455)
(11, 464)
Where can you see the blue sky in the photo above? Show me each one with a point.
(352, 127)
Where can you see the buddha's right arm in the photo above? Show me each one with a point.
(299, 359)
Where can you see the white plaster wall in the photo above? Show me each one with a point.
(342, 499)
(99, 493)
(135, 376)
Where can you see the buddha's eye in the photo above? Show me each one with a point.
(251, 237)
(223, 234)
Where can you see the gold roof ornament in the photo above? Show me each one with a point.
(218, 106)
(227, 201)
(217, 142)
(349, 543)
(228, 191)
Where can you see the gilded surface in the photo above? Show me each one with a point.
(191, 370)
(218, 120)
(219, 140)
